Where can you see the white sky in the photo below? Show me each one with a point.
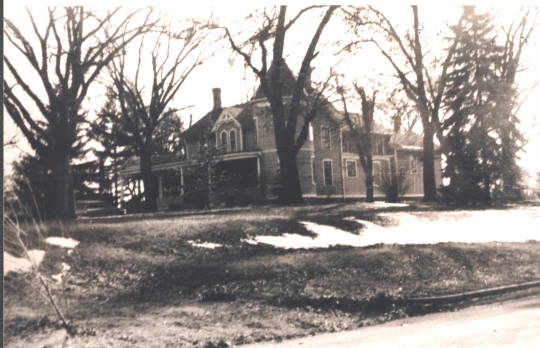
(237, 84)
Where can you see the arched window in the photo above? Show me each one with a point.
(233, 141)
(224, 141)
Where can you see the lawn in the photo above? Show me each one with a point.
(143, 282)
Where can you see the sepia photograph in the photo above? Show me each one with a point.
(258, 174)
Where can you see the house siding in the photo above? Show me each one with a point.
(255, 137)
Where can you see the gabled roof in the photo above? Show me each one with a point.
(243, 113)
(203, 125)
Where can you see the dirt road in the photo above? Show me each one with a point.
(514, 323)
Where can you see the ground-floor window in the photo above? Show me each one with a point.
(236, 174)
(171, 184)
(414, 164)
(313, 171)
(327, 168)
(351, 169)
(377, 174)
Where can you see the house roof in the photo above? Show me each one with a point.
(409, 141)
(287, 77)
(135, 161)
(243, 113)
(203, 125)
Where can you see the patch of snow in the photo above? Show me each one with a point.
(514, 226)
(384, 204)
(204, 245)
(326, 236)
(58, 277)
(250, 241)
(411, 147)
(67, 243)
(22, 264)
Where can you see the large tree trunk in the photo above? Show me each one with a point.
(291, 191)
(64, 195)
(369, 179)
(150, 185)
(430, 188)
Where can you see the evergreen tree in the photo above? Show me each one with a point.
(481, 130)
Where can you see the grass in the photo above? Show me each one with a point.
(139, 282)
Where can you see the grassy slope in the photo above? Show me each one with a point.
(139, 282)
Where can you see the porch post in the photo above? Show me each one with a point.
(259, 170)
(121, 190)
(182, 181)
(160, 186)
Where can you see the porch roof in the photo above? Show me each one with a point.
(166, 162)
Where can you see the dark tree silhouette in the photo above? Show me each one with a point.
(141, 114)
(481, 132)
(70, 53)
(285, 116)
(419, 81)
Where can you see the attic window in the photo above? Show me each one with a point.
(233, 141)
(224, 141)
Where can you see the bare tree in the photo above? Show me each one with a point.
(285, 115)
(141, 113)
(361, 130)
(69, 55)
(422, 85)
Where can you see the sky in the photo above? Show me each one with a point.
(237, 84)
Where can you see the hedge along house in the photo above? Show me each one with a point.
(239, 142)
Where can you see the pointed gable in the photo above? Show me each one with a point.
(227, 115)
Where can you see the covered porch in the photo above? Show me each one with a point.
(225, 180)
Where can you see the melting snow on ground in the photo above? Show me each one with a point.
(67, 243)
(58, 277)
(458, 227)
(326, 236)
(206, 245)
(461, 227)
(389, 205)
(22, 264)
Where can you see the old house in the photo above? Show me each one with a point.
(236, 143)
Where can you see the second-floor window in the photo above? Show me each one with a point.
(233, 141)
(379, 146)
(325, 138)
(351, 169)
(347, 141)
(256, 121)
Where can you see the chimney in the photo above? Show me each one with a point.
(217, 98)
